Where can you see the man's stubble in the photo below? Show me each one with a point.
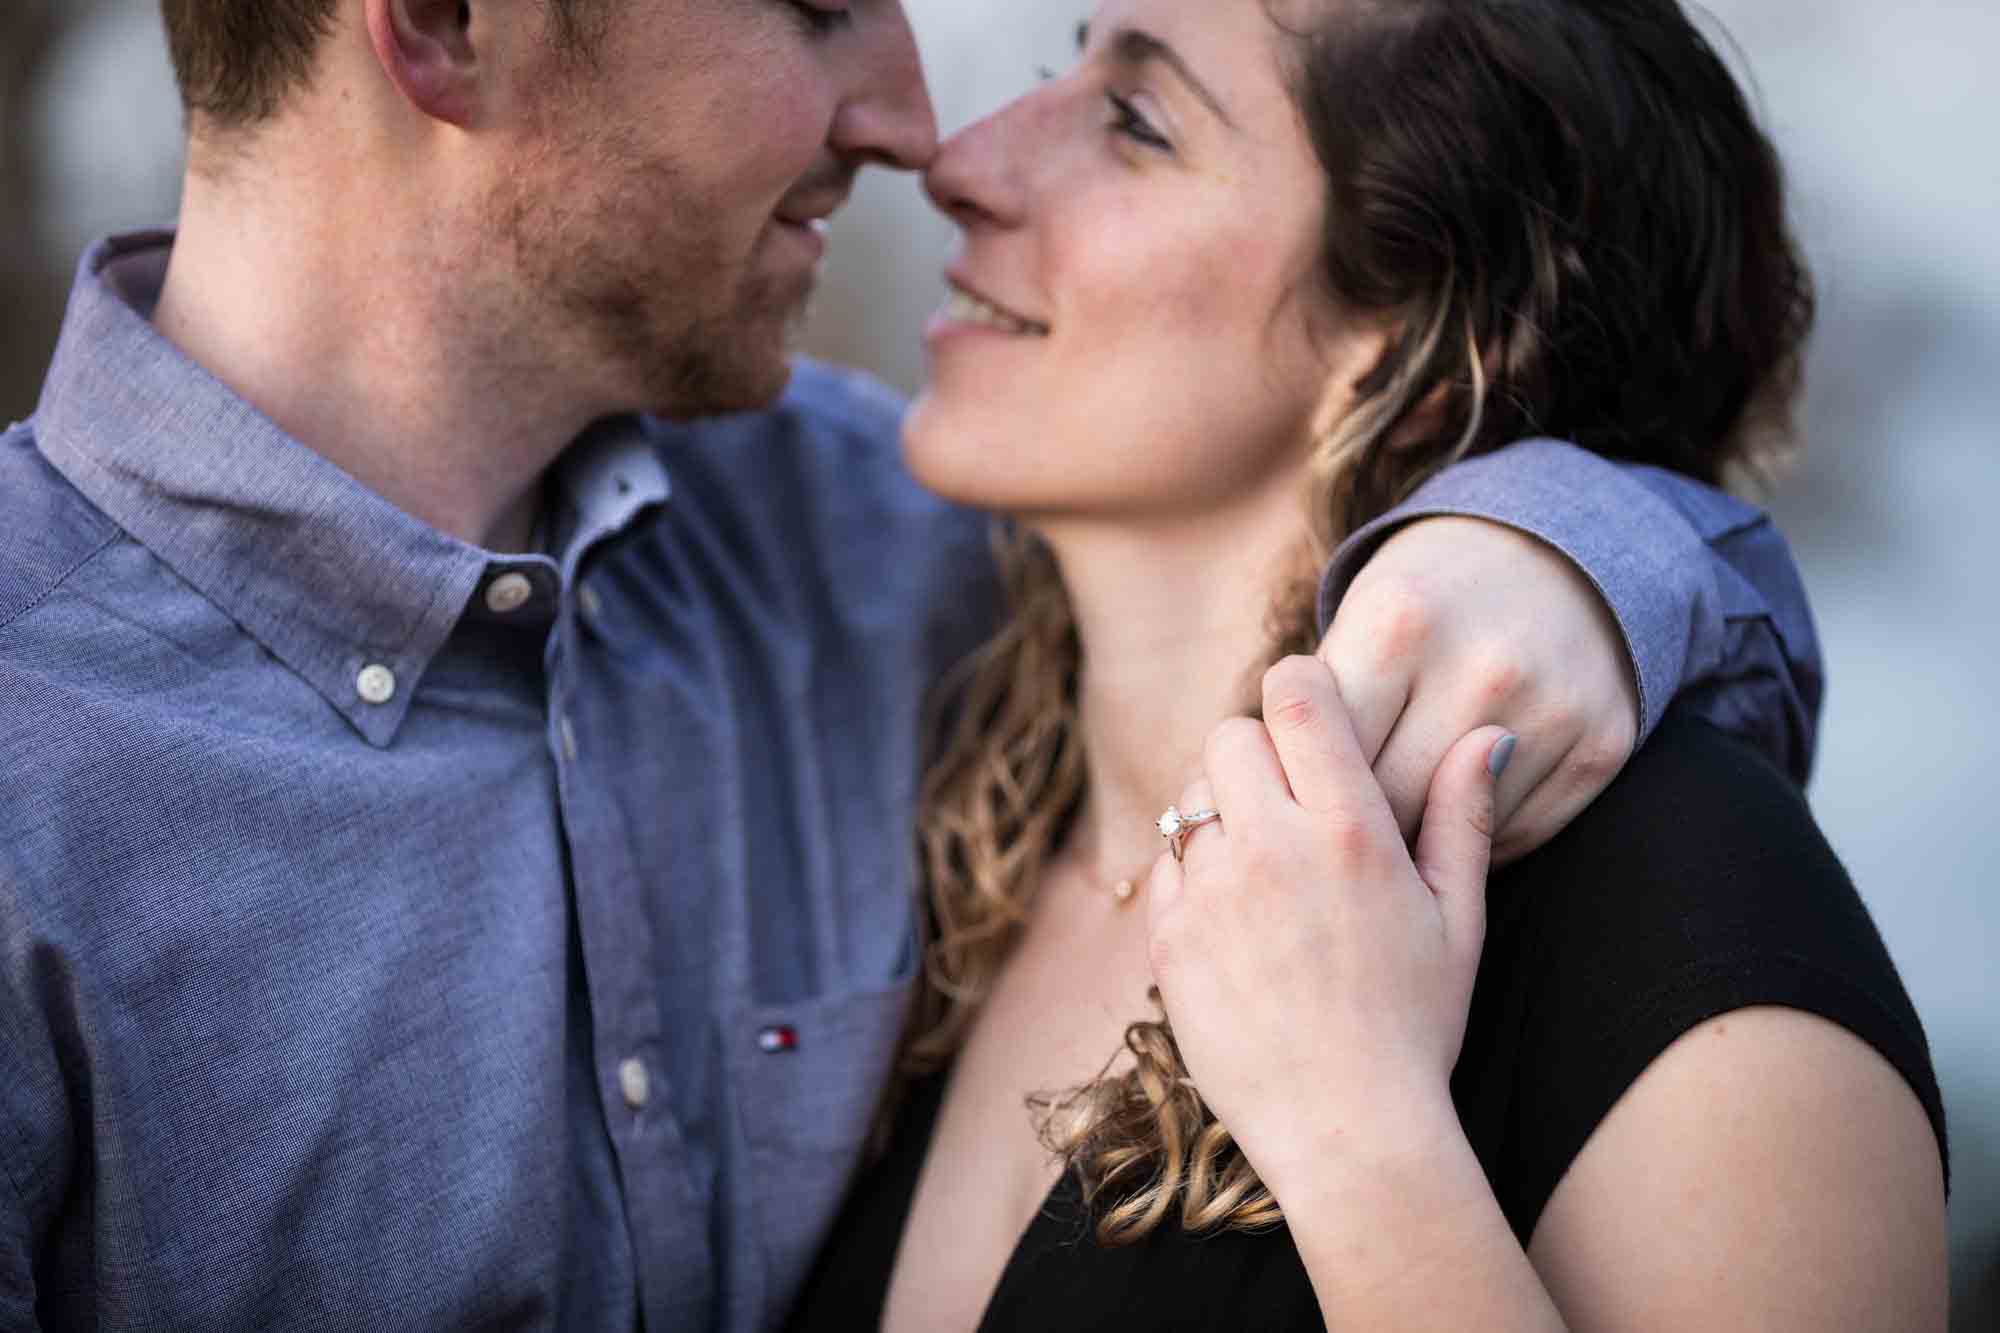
(667, 312)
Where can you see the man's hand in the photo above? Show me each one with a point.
(1459, 623)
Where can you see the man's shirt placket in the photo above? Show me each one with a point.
(615, 485)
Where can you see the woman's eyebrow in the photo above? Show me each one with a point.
(1131, 46)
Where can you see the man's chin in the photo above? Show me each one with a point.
(712, 380)
(744, 395)
(715, 375)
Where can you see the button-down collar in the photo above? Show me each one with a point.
(341, 586)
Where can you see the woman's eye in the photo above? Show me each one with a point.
(1129, 121)
(823, 16)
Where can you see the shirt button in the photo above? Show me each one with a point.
(568, 739)
(508, 593)
(593, 605)
(376, 684)
(633, 1082)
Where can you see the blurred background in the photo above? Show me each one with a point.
(1886, 123)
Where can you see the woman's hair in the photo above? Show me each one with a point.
(1574, 227)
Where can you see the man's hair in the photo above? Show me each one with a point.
(236, 60)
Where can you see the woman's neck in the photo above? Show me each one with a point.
(1175, 625)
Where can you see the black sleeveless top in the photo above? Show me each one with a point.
(1697, 884)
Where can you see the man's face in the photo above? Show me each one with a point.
(657, 208)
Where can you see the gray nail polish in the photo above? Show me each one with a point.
(1501, 756)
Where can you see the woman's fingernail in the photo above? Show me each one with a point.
(1502, 755)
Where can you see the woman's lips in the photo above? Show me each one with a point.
(966, 311)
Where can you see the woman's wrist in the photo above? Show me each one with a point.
(1398, 1226)
(1333, 1147)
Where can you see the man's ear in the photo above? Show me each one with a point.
(425, 47)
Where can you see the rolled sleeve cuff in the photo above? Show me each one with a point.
(1645, 559)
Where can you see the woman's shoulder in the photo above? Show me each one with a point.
(1697, 884)
(1700, 845)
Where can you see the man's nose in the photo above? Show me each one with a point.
(888, 119)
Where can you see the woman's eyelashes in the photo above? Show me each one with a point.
(1129, 121)
(823, 16)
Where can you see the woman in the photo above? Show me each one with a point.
(1248, 255)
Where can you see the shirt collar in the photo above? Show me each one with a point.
(348, 591)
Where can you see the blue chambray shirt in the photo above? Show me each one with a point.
(396, 935)
(382, 949)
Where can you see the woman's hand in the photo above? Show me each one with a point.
(1317, 977)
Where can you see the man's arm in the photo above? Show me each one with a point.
(1571, 599)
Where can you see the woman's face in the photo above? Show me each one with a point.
(1136, 329)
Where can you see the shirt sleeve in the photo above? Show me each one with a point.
(1702, 585)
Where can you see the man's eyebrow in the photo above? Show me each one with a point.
(1130, 46)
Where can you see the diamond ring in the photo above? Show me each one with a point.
(1175, 826)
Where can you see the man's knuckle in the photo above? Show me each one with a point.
(1594, 763)
(1500, 678)
(1567, 715)
(1404, 623)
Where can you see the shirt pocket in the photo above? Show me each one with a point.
(808, 1077)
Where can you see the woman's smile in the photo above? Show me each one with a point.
(968, 311)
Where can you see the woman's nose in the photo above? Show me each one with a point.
(974, 178)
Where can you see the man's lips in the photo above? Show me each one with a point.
(809, 233)
(804, 213)
(811, 206)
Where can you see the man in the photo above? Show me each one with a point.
(454, 869)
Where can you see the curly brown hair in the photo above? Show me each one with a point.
(1569, 214)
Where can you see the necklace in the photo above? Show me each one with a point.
(1123, 891)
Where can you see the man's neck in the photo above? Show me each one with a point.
(1174, 628)
(357, 342)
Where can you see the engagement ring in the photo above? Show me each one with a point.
(1175, 826)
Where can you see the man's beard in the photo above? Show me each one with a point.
(682, 362)
(732, 361)
(644, 301)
